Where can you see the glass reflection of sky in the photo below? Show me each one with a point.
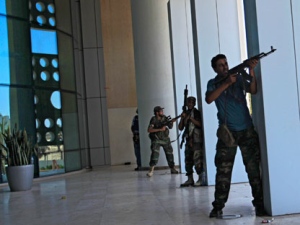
(4, 62)
(42, 41)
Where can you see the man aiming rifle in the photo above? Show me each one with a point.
(227, 90)
(158, 130)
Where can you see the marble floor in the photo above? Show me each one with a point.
(118, 195)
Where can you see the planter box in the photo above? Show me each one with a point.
(20, 178)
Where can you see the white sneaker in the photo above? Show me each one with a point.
(150, 174)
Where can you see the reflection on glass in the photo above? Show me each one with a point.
(52, 21)
(51, 8)
(4, 106)
(33, 61)
(49, 136)
(44, 62)
(41, 19)
(36, 99)
(58, 122)
(4, 62)
(54, 63)
(55, 100)
(60, 136)
(37, 123)
(51, 159)
(56, 76)
(4, 123)
(48, 123)
(43, 41)
(40, 6)
(38, 137)
(45, 75)
(34, 75)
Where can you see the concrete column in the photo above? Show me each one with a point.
(276, 107)
(153, 65)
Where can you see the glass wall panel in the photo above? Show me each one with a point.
(43, 41)
(4, 50)
(34, 80)
(72, 160)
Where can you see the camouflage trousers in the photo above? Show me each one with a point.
(248, 142)
(155, 148)
(193, 157)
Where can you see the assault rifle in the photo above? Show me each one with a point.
(185, 94)
(184, 110)
(240, 69)
(169, 119)
(153, 136)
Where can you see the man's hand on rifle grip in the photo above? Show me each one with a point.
(231, 79)
(163, 128)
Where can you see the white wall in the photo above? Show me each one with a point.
(279, 89)
(122, 149)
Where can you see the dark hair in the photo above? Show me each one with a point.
(215, 59)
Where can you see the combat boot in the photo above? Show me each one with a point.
(174, 171)
(216, 213)
(201, 181)
(189, 182)
(150, 172)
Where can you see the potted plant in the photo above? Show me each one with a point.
(17, 151)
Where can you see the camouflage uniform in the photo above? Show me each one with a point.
(194, 145)
(248, 142)
(160, 139)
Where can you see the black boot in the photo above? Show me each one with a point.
(189, 182)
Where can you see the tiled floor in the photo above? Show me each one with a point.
(120, 196)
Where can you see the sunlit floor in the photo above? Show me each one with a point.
(119, 195)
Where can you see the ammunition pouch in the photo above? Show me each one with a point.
(224, 134)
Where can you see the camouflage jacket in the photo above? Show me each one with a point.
(156, 124)
(192, 132)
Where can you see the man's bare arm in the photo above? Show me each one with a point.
(153, 130)
(211, 96)
(253, 84)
